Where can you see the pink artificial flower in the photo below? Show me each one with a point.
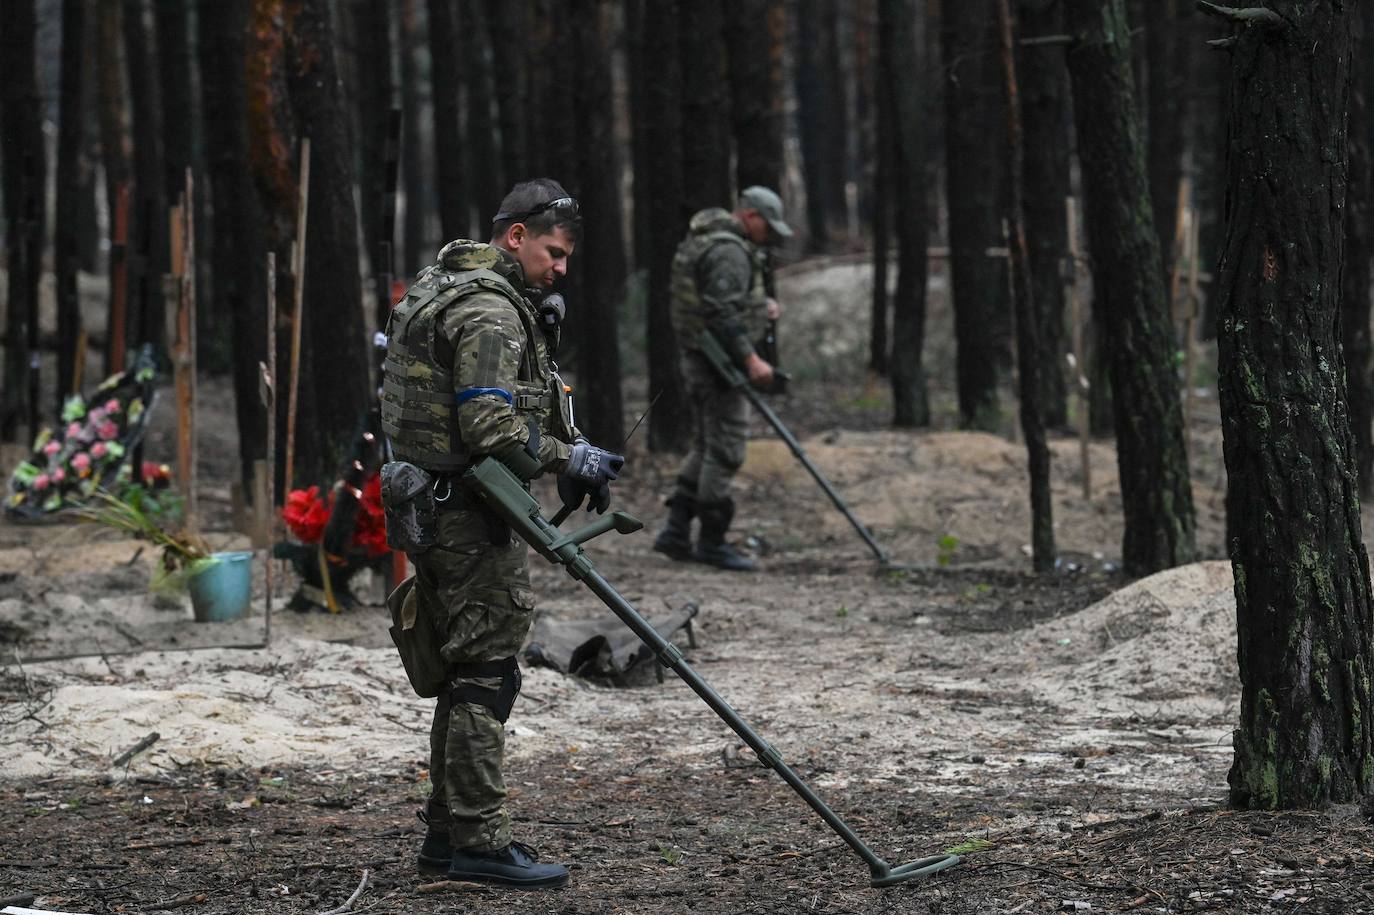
(52, 448)
(108, 430)
(59, 475)
(112, 406)
(73, 430)
(95, 416)
(40, 482)
(81, 461)
(99, 449)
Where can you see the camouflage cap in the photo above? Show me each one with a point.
(769, 206)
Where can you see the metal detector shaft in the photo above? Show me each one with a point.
(504, 494)
(715, 354)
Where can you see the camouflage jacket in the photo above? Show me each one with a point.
(718, 283)
(467, 367)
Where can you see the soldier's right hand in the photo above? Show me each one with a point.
(593, 466)
(760, 372)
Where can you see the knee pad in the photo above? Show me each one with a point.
(499, 700)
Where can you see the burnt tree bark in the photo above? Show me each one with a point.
(878, 126)
(974, 170)
(900, 93)
(21, 151)
(1355, 275)
(705, 107)
(509, 28)
(660, 76)
(335, 378)
(1304, 612)
(1164, 122)
(482, 95)
(376, 81)
(415, 249)
(1044, 84)
(1027, 325)
(455, 210)
(601, 252)
(240, 287)
(115, 149)
(1129, 288)
(813, 116)
(754, 38)
(66, 229)
(148, 233)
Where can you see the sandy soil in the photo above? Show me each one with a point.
(1069, 733)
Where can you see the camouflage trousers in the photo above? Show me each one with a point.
(719, 436)
(480, 594)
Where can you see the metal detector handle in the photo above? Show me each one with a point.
(715, 354)
(493, 483)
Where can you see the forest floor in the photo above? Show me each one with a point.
(1067, 733)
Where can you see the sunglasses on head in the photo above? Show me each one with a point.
(563, 206)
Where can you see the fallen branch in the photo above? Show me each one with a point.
(443, 886)
(22, 899)
(348, 903)
(179, 901)
(1251, 15)
(136, 749)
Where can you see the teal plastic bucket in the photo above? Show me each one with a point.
(223, 590)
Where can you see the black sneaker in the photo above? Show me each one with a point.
(435, 854)
(515, 865)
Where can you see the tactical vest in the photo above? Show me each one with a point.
(709, 228)
(419, 404)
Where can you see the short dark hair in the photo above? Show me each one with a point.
(530, 195)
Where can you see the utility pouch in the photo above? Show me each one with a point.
(418, 641)
(412, 517)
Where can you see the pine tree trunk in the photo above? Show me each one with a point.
(754, 40)
(813, 119)
(1355, 276)
(509, 27)
(660, 75)
(70, 146)
(479, 76)
(375, 95)
(705, 107)
(635, 39)
(23, 176)
(148, 228)
(1209, 74)
(601, 252)
(1129, 288)
(1164, 143)
(335, 379)
(876, 139)
(416, 249)
(1045, 181)
(1305, 617)
(974, 170)
(901, 92)
(114, 145)
(239, 258)
(454, 201)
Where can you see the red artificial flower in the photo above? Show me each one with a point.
(305, 514)
(370, 532)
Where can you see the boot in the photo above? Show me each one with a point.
(436, 850)
(711, 546)
(675, 540)
(516, 865)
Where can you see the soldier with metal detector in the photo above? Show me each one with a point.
(718, 286)
(469, 375)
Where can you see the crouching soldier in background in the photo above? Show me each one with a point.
(717, 282)
(468, 374)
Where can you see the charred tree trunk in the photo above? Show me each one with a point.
(1129, 287)
(240, 288)
(23, 174)
(376, 93)
(148, 234)
(1045, 182)
(881, 179)
(660, 75)
(479, 77)
(635, 41)
(1028, 350)
(705, 107)
(1210, 78)
(813, 118)
(455, 213)
(974, 171)
(66, 231)
(335, 378)
(1359, 248)
(1304, 613)
(114, 146)
(509, 27)
(1164, 122)
(754, 37)
(602, 250)
(415, 248)
(901, 93)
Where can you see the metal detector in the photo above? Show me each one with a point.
(504, 494)
(715, 354)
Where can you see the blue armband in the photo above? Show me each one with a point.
(465, 396)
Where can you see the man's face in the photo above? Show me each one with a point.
(756, 227)
(544, 258)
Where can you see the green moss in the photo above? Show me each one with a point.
(1321, 668)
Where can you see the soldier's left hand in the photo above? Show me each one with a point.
(774, 309)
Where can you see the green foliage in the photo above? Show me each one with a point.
(969, 846)
(947, 545)
(670, 854)
(842, 612)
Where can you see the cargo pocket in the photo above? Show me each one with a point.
(418, 640)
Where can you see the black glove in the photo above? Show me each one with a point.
(588, 476)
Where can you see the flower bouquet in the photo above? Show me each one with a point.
(306, 515)
(90, 448)
(183, 555)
